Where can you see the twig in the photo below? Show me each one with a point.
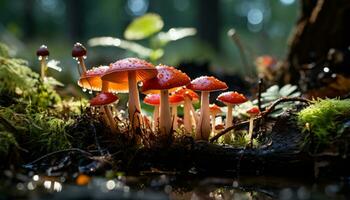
(263, 114)
(88, 154)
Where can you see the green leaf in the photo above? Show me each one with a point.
(156, 54)
(287, 90)
(144, 26)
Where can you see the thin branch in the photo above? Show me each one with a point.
(263, 114)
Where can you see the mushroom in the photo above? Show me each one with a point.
(153, 100)
(103, 99)
(253, 112)
(214, 110)
(168, 78)
(230, 99)
(91, 79)
(42, 53)
(189, 97)
(130, 71)
(205, 84)
(79, 53)
(174, 101)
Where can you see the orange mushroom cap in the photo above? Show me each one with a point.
(92, 80)
(176, 99)
(103, 98)
(118, 71)
(167, 78)
(254, 111)
(207, 83)
(152, 99)
(232, 98)
(188, 92)
(214, 109)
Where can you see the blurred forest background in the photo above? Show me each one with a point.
(263, 27)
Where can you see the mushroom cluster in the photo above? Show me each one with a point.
(166, 89)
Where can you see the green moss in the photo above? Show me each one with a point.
(7, 140)
(325, 118)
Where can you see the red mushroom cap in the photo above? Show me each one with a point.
(176, 99)
(152, 99)
(187, 92)
(118, 71)
(78, 50)
(91, 80)
(215, 109)
(253, 111)
(43, 51)
(167, 78)
(207, 83)
(103, 98)
(232, 98)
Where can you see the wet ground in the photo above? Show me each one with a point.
(171, 186)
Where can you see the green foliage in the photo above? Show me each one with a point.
(7, 140)
(144, 26)
(274, 93)
(325, 118)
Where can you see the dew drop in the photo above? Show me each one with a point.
(84, 57)
(90, 91)
(40, 57)
(84, 89)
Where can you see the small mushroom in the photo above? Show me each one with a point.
(174, 101)
(153, 100)
(214, 110)
(190, 116)
(230, 99)
(205, 84)
(43, 53)
(253, 112)
(168, 78)
(103, 99)
(130, 71)
(79, 53)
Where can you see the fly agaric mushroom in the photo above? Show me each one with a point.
(174, 101)
(42, 53)
(103, 99)
(153, 100)
(253, 112)
(130, 71)
(79, 53)
(189, 97)
(214, 110)
(205, 84)
(230, 99)
(168, 78)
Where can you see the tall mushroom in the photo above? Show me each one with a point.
(79, 53)
(130, 71)
(230, 99)
(214, 110)
(153, 100)
(168, 78)
(205, 84)
(252, 112)
(189, 97)
(42, 53)
(103, 99)
(174, 101)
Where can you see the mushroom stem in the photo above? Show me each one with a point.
(229, 119)
(194, 115)
(164, 118)
(212, 124)
(187, 115)
(155, 117)
(82, 64)
(109, 114)
(174, 116)
(203, 127)
(251, 125)
(134, 100)
(42, 67)
(107, 110)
